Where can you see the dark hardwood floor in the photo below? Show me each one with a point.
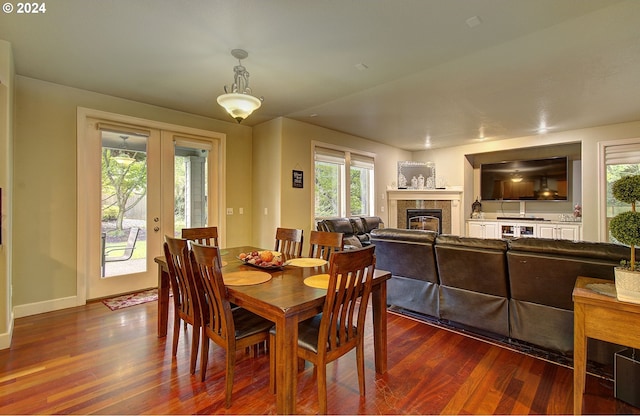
(91, 360)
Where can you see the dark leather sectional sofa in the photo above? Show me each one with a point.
(356, 230)
(516, 290)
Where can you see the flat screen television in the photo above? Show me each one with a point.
(528, 180)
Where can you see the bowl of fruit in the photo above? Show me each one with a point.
(264, 259)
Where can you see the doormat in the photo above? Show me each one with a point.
(131, 299)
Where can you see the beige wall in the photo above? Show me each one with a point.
(44, 257)
(273, 182)
(6, 149)
(452, 163)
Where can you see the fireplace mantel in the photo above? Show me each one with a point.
(452, 194)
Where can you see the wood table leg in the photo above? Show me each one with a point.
(286, 365)
(163, 301)
(379, 304)
(579, 357)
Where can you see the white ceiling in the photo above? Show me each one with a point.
(569, 63)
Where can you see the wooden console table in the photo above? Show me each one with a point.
(601, 317)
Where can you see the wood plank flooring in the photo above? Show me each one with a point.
(90, 360)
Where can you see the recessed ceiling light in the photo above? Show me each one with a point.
(542, 128)
(313, 115)
(473, 21)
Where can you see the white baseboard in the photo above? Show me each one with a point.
(5, 338)
(29, 309)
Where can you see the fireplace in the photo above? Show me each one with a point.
(448, 200)
(425, 219)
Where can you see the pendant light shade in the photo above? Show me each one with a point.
(123, 157)
(237, 99)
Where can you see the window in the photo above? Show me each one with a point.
(335, 196)
(620, 159)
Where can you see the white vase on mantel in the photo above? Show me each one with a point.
(627, 285)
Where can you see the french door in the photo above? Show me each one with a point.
(138, 181)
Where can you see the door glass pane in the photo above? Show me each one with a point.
(124, 205)
(190, 188)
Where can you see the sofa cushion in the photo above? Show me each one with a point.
(339, 225)
(371, 223)
(409, 256)
(473, 264)
(544, 271)
(407, 253)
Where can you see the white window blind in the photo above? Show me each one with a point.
(123, 129)
(329, 155)
(361, 161)
(622, 154)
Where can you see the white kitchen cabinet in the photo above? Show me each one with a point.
(482, 229)
(523, 229)
(560, 231)
(516, 230)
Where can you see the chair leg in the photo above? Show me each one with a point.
(195, 342)
(204, 358)
(360, 365)
(321, 369)
(176, 335)
(272, 364)
(231, 364)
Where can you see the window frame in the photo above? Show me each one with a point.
(634, 143)
(344, 182)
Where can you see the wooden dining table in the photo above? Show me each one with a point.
(286, 300)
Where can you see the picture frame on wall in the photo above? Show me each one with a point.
(416, 175)
(297, 179)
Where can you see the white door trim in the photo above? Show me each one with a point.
(84, 163)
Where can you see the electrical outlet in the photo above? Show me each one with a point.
(240, 211)
(229, 211)
(266, 211)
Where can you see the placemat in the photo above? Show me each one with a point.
(306, 262)
(319, 281)
(245, 278)
(607, 289)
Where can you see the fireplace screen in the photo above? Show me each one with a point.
(425, 219)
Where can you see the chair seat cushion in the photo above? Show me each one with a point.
(248, 323)
(308, 333)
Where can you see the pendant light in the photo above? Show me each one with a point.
(237, 99)
(123, 158)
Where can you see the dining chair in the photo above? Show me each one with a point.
(340, 327)
(323, 243)
(231, 328)
(289, 241)
(185, 294)
(202, 235)
(207, 236)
